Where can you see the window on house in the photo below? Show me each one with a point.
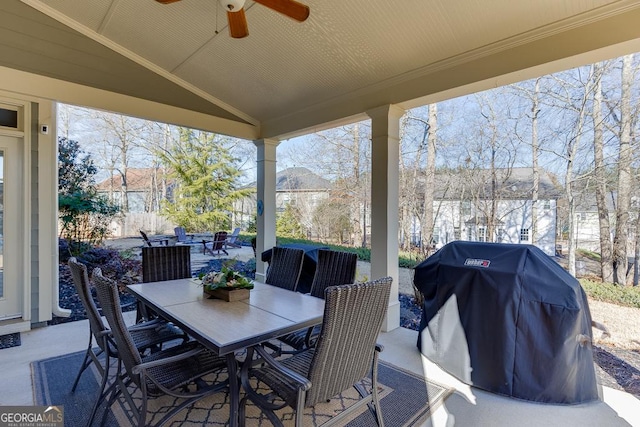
(500, 234)
(465, 208)
(546, 205)
(482, 234)
(456, 233)
(524, 234)
(436, 235)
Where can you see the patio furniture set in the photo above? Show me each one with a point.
(213, 244)
(295, 343)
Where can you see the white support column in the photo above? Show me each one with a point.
(266, 201)
(385, 153)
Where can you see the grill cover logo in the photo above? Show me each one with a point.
(472, 262)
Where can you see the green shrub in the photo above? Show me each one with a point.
(608, 292)
(405, 259)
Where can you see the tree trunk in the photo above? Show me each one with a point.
(636, 254)
(535, 155)
(572, 151)
(601, 185)
(427, 228)
(620, 261)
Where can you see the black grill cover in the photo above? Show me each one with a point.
(507, 319)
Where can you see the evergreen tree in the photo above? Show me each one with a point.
(288, 223)
(204, 176)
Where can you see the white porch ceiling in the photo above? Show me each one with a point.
(289, 77)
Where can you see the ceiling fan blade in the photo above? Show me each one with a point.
(291, 8)
(167, 1)
(238, 27)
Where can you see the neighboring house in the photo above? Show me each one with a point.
(294, 186)
(144, 189)
(464, 208)
(144, 193)
(586, 224)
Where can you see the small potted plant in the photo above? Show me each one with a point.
(227, 284)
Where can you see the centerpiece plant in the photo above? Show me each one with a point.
(226, 278)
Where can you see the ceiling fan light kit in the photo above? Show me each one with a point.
(238, 27)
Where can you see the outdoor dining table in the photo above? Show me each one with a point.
(225, 327)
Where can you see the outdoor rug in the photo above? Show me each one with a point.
(407, 399)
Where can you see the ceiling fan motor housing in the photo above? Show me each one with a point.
(232, 5)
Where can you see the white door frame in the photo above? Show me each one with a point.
(17, 229)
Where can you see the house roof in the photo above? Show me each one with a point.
(138, 179)
(176, 63)
(511, 184)
(300, 179)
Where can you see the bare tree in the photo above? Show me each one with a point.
(343, 156)
(620, 260)
(600, 176)
(429, 182)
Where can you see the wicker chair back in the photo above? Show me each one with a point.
(285, 268)
(107, 294)
(165, 263)
(81, 282)
(334, 268)
(352, 320)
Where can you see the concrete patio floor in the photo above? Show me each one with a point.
(466, 407)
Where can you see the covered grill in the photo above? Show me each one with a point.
(507, 319)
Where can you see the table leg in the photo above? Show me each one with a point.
(234, 389)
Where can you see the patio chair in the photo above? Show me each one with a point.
(217, 245)
(285, 267)
(177, 371)
(149, 242)
(183, 238)
(345, 354)
(334, 268)
(232, 239)
(163, 263)
(145, 336)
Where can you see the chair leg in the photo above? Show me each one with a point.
(85, 364)
(103, 390)
(375, 395)
(300, 408)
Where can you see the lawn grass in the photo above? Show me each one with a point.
(628, 296)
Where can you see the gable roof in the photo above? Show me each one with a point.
(138, 179)
(511, 184)
(300, 179)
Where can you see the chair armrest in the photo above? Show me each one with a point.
(167, 360)
(303, 383)
(146, 325)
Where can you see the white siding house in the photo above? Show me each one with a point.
(467, 207)
(296, 186)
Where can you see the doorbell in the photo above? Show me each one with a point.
(44, 129)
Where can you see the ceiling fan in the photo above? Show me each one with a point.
(238, 27)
